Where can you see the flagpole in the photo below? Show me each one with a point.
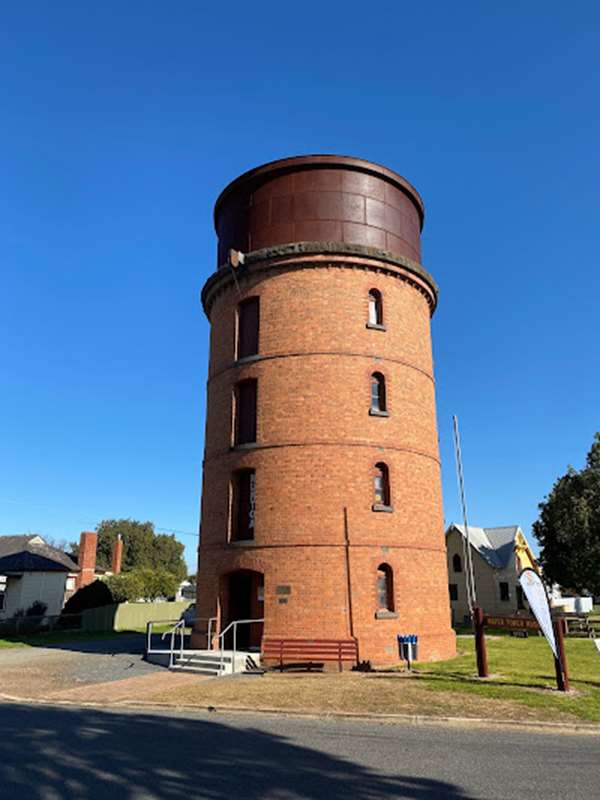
(471, 595)
(477, 615)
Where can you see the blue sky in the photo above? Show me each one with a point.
(121, 122)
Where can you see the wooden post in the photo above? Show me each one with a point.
(480, 647)
(560, 663)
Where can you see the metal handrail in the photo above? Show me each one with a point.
(233, 625)
(149, 628)
(180, 625)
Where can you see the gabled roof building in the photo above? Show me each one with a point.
(33, 571)
(498, 554)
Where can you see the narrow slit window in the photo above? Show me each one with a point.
(385, 588)
(248, 328)
(457, 563)
(378, 399)
(245, 412)
(375, 308)
(381, 485)
(243, 505)
(504, 591)
(453, 590)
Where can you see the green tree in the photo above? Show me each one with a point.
(126, 587)
(168, 555)
(142, 584)
(568, 528)
(142, 547)
(158, 583)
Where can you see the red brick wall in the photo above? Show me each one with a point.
(86, 558)
(314, 457)
(117, 556)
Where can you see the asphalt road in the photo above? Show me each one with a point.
(52, 753)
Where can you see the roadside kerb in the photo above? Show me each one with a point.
(569, 728)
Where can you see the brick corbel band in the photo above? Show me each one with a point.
(311, 255)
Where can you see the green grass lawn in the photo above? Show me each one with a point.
(59, 637)
(522, 670)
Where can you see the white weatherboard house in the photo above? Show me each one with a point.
(498, 555)
(30, 571)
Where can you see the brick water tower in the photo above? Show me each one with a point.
(321, 503)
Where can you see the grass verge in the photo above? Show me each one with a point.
(523, 672)
(522, 687)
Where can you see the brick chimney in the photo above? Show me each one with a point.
(117, 555)
(87, 558)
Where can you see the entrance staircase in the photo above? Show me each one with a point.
(210, 662)
(177, 657)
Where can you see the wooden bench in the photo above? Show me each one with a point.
(309, 653)
(582, 625)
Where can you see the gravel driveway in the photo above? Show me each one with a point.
(38, 671)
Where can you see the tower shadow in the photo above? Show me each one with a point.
(86, 754)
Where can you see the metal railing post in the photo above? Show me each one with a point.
(233, 625)
(234, 647)
(222, 654)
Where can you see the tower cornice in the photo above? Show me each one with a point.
(314, 255)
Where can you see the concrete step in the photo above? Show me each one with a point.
(208, 671)
(209, 655)
(196, 662)
(203, 663)
(208, 661)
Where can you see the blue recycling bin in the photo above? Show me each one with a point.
(408, 647)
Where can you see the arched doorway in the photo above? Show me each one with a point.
(243, 596)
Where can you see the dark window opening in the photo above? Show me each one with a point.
(520, 599)
(245, 412)
(381, 485)
(243, 505)
(453, 589)
(504, 592)
(456, 563)
(378, 399)
(385, 588)
(375, 308)
(248, 325)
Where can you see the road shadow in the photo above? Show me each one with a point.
(86, 754)
(131, 643)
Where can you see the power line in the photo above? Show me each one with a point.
(88, 521)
